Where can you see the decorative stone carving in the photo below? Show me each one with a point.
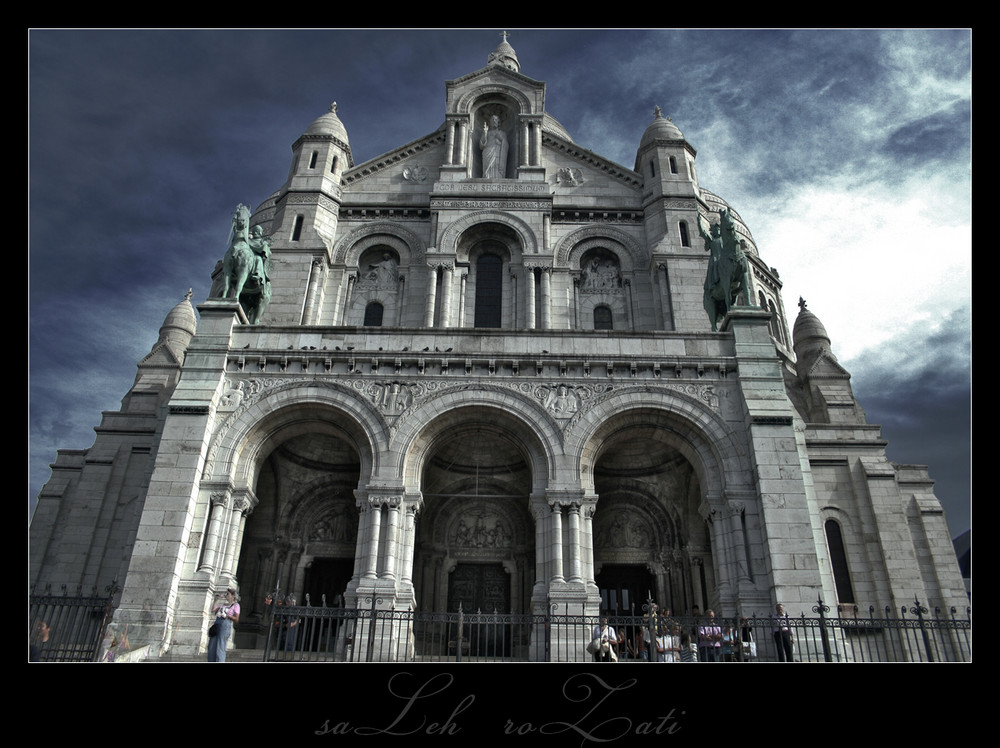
(482, 530)
(602, 275)
(562, 401)
(233, 396)
(622, 530)
(415, 173)
(382, 274)
(335, 527)
(570, 177)
(391, 398)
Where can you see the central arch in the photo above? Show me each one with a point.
(476, 468)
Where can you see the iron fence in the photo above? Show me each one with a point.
(375, 634)
(68, 628)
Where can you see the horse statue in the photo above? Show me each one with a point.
(246, 268)
(728, 270)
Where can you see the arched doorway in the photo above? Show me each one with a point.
(302, 536)
(650, 540)
(475, 537)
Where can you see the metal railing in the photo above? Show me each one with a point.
(75, 624)
(375, 634)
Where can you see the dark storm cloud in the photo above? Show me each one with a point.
(940, 136)
(919, 389)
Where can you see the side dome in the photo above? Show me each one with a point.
(179, 326)
(809, 336)
(329, 124)
(661, 128)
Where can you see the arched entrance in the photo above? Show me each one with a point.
(475, 537)
(302, 536)
(650, 539)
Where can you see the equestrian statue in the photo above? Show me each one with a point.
(728, 270)
(246, 268)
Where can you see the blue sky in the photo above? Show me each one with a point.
(847, 153)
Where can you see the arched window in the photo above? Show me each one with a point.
(373, 314)
(489, 291)
(603, 318)
(652, 169)
(297, 228)
(333, 166)
(838, 560)
(312, 160)
(685, 240)
(673, 165)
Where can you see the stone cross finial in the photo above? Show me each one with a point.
(802, 303)
(657, 112)
(189, 294)
(504, 35)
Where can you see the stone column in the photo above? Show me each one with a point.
(630, 323)
(446, 276)
(463, 282)
(556, 544)
(529, 292)
(722, 552)
(431, 293)
(525, 143)
(233, 537)
(537, 139)
(400, 298)
(541, 513)
(587, 541)
(312, 292)
(463, 143)
(663, 281)
(409, 541)
(575, 550)
(743, 571)
(351, 278)
(449, 148)
(392, 503)
(546, 298)
(219, 501)
(371, 552)
(576, 303)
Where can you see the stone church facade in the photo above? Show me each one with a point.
(485, 376)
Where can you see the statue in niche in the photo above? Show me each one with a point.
(493, 143)
(246, 267)
(601, 275)
(383, 274)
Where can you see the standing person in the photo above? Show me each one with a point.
(227, 613)
(292, 627)
(43, 632)
(729, 644)
(673, 644)
(748, 647)
(609, 640)
(709, 639)
(783, 637)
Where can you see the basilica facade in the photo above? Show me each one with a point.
(489, 369)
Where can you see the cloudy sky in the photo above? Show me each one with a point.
(847, 153)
